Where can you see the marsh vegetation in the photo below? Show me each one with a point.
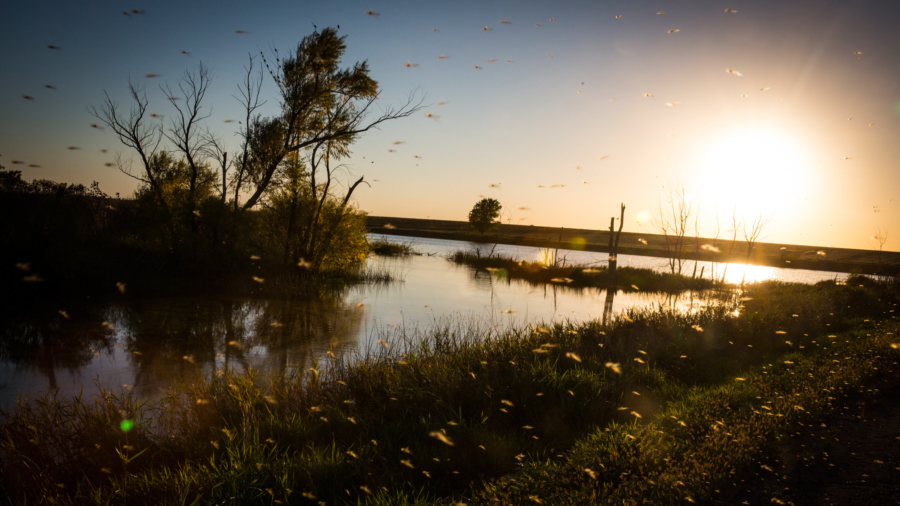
(668, 403)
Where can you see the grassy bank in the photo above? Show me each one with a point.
(645, 407)
(383, 247)
(627, 278)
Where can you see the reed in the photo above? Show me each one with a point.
(383, 247)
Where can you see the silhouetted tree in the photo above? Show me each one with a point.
(137, 131)
(752, 231)
(880, 239)
(323, 109)
(736, 226)
(184, 132)
(483, 216)
(673, 215)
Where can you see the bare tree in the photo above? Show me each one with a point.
(715, 246)
(751, 232)
(136, 131)
(215, 149)
(321, 156)
(696, 245)
(736, 225)
(673, 215)
(250, 90)
(184, 130)
(614, 245)
(880, 239)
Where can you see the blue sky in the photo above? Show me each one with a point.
(802, 150)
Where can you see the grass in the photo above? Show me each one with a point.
(461, 413)
(383, 247)
(708, 439)
(578, 276)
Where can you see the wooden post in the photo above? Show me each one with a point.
(614, 245)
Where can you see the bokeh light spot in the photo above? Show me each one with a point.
(126, 425)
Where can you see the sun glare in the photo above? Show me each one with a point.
(746, 273)
(757, 170)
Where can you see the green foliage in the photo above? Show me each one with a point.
(311, 230)
(484, 215)
(173, 179)
(173, 220)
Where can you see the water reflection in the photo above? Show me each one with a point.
(52, 343)
(733, 272)
(152, 342)
(608, 304)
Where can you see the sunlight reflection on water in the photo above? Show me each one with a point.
(152, 335)
(733, 272)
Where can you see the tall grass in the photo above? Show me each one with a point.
(710, 440)
(554, 270)
(383, 247)
(455, 412)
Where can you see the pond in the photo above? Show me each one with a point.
(145, 344)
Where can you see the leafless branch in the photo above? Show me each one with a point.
(673, 215)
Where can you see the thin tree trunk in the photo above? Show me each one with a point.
(614, 245)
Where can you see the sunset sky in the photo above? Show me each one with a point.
(806, 128)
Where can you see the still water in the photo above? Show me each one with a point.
(144, 344)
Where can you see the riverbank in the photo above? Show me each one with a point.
(768, 254)
(657, 405)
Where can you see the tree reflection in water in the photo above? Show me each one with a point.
(153, 343)
(45, 340)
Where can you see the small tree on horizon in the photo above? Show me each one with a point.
(484, 214)
(880, 238)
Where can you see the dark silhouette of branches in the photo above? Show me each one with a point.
(135, 131)
(184, 130)
(751, 232)
(879, 240)
(288, 164)
(214, 148)
(673, 216)
(249, 90)
(320, 104)
(736, 225)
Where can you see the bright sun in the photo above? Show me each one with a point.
(757, 170)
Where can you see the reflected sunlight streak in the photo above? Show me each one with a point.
(755, 273)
